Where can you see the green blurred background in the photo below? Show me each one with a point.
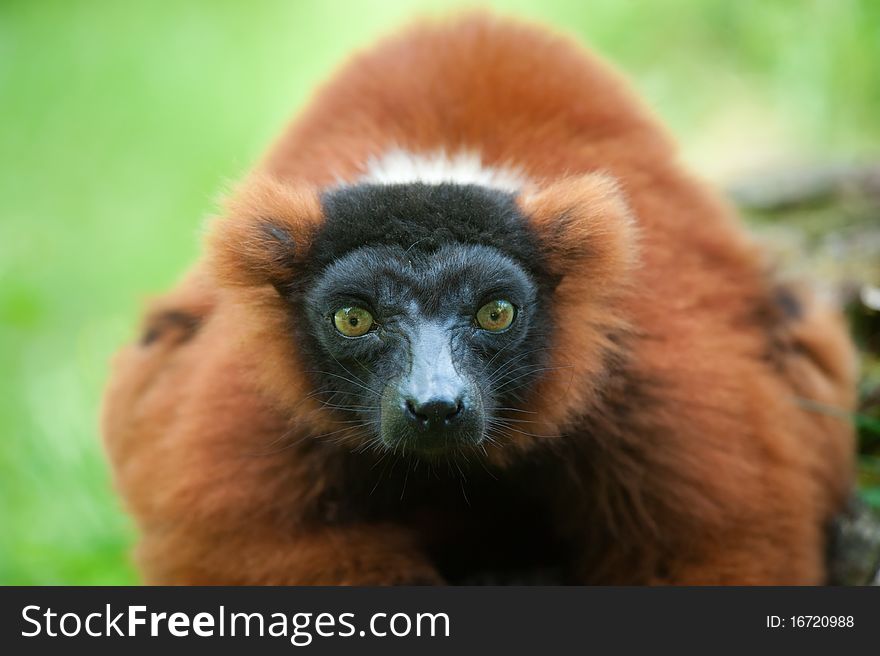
(121, 122)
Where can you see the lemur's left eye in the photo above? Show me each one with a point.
(352, 321)
(496, 316)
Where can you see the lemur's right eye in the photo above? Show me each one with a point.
(352, 321)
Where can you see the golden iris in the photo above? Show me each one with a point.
(496, 315)
(352, 321)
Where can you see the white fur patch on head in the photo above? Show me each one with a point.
(464, 167)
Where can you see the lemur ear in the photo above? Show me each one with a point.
(265, 235)
(586, 228)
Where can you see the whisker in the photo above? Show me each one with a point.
(522, 432)
(492, 359)
(348, 380)
(506, 366)
(512, 420)
(353, 408)
(347, 371)
(528, 373)
(501, 408)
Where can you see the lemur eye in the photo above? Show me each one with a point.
(352, 321)
(496, 316)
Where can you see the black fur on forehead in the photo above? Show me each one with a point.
(424, 217)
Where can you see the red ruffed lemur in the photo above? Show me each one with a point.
(470, 320)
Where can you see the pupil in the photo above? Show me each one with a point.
(352, 321)
(494, 316)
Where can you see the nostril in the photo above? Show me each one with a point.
(433, 413)
(412, 411)
(459, 408)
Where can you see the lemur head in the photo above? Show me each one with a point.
(423, 318)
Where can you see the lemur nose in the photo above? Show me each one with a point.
(434, 413)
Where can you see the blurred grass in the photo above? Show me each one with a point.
(120, 122)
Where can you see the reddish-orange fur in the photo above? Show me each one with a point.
(728, 478)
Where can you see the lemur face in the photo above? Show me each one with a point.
(425, 318)
(430, 342)
(425, 347)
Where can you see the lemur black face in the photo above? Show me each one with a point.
(424, 337)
